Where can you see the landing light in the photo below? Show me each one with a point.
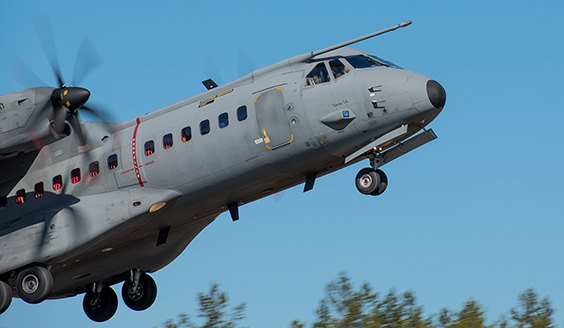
(105, 250)
(157, 207)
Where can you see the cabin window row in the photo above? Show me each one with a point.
(205, 128)
(56, 184)
(94, 167)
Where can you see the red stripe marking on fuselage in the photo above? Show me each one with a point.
(134, 152)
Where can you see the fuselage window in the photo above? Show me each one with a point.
(167, 141)
(242, 113)
(149, 148)
(39, 189)
(223, 120)
(93, 169)
(57, 182)
(75, 176)
(317, 75)
(112, 161)
(205, 127)
(186, 134)
(338, 68)
(20, 196)
(3, 202)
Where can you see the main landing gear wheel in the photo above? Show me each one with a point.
(139, 296)
(34, 284)
(5, 296)
(371, 182)
(100, 306)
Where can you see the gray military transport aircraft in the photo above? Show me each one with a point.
(86, 205)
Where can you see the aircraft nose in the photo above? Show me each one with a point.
(436, 94)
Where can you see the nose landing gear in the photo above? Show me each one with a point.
(372, 181)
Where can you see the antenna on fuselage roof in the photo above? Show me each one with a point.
(306, 57)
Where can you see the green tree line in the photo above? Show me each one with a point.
(344, 306)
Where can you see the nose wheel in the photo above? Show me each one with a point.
(371, 182)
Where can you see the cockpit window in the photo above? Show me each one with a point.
(367, 61)
(361, 61)
(338, 68)
(385, 62)
(317, 75)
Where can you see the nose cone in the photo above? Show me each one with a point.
(77, 97)
(436, 94)
(72, 97)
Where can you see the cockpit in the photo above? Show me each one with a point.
(340, 66)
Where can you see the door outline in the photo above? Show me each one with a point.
(272, 120)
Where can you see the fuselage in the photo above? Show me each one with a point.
(148, 186)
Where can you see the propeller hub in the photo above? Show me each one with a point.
(72, 98)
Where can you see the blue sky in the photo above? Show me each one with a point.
(476, 214)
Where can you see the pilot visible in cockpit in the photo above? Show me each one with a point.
(338, 68)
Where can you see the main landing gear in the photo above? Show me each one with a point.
(33, 285)
(139, 292)
(5, 296)
(371, 180)
(100, 303)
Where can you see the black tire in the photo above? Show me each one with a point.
(367, 181)
(383, 183)
(142, 297)
(5, 296)
(34, 284)
(103, 308)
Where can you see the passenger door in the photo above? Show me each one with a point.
(272, 121)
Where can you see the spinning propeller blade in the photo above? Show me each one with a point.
(65, 102)
(45, 34)
(86, 60)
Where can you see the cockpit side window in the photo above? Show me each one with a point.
(338, 68)
(317, 75)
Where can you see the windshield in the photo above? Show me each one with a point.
(385, 62)
(364, 61)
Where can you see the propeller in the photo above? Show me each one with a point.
(66, 102)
